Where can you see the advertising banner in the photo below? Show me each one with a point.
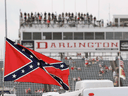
(28, 44)
(76, 45)
(124, 45)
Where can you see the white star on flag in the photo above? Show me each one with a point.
(31, 66)
(23, 71)
(14, 76)
(38, 63)
(62, 66)
(31, 56)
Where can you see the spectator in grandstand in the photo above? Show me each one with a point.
(114, 74)
(97, 58)
(66, 58)
(29, 91)
(70, 60)
(89, 63)
(110, 67)
(74, 79)
(63, 17)
(110, 23)
(100, 73)
(91, 18)
(26, 91)
(56, 14)
(54, 20)
(93, 61)
(106, 68)
(102, 21)
(116, 81)
(67, 18)
(36, 91)
(94, 21)
(25, 18)
(86, 63)
(52, 15)
(45, 19)
(78, 68)
(48, 22)
(31, 14)
(40, 19)
(78, 79)
(72, 68)
(29, 18)
(102, 70)
(55, 90)
(100, 65)
(88, 20)
(83, 58)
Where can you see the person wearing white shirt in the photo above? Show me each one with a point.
(85, 19)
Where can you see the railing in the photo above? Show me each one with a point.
(60, 23)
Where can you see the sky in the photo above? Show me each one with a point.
(98, 8)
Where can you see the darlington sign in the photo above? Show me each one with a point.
(76, 45)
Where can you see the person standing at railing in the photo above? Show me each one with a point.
(40, 19)
(25, 18)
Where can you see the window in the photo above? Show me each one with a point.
(57, 36)
(27, 36)
(47, 35)
(123, 19)
(36, 35)
(116, 19)
(125, 35)
(118, 35)
(99, 35)
(67, 35)
(89, 35)
(109, 35)
(78, 35)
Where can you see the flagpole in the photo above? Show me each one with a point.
(5, 20)
(119, 70)
(4, 47)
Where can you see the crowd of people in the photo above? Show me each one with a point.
(61, 19)
(103, 68)
(88, 63)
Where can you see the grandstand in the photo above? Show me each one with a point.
(86, 45)
(79, 72)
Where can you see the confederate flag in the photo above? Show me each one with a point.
(25, 65)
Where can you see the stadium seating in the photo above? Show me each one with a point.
(80, 72)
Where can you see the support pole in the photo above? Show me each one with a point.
(119, 69)
(5, 20)
(4, 48)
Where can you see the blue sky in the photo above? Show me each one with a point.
(13, 7)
